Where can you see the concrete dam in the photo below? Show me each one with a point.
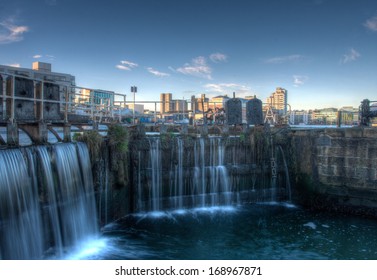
(97, 181)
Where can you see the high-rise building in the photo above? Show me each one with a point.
(278, 100)
(202, 103)
(218, 101)
(166, 103)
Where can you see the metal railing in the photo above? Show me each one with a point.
(31, 100)
(24, 99)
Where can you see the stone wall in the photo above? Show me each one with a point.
(336, 168)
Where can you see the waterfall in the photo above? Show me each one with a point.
(219, 186)
(182, 172)
(178, 189)
(155, 167)
(52, 197)
(51, 208)
(287, 181)
(20, 215)
(76, 193)
(210, 178)
(199, 181)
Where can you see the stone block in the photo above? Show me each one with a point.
(326, 170)
(354, 132)
(324, 140)
(370, 133)
(371, 152)
(335, 132)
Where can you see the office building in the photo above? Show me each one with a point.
(166, 103)
(279, 100)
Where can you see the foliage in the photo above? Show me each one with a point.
(93, 140)
(118, 138)
(243, 137)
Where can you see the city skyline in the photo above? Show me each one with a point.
(322, 52)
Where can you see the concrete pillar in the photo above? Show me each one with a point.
(12, 134)
(41, 136)
(67, 133)
(184, 129)
(339, 119)
(225, 129)
(204, 131)
(245, 128)
(3, 99)
(141, 129)
(163, 128)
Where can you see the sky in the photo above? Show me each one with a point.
(324, 52)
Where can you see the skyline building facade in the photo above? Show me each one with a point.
(166, 103)
(279, 100)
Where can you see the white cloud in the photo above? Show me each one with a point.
(299, 80)
(228, 88)
(47, 56)
(18, 65)
(350, 56)
(122, 67)
(126, 65)
(10, 32)
(218, 57)
(198, 68)
(129, 63)
(371, 23)
(157, 73)
(284, 59)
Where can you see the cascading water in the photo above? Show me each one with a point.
(178, 185)
(20, 215)
(287, 181)
(219, 179)
(199, 181)
(76, 194)
(176, 177)
(155, 167)
(181, 172)
(51, 208)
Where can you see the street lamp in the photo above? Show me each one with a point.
(133, 90)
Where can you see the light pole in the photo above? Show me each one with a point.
(133, 90)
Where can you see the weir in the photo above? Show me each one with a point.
(50, 204)
(47, 201)
(178, 172)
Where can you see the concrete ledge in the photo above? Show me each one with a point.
(370, 132)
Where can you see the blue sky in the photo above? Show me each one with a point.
(324, 52)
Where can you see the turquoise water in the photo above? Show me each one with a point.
(255, 231)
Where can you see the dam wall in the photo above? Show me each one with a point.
(335, 168)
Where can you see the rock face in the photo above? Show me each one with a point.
(336, 168)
